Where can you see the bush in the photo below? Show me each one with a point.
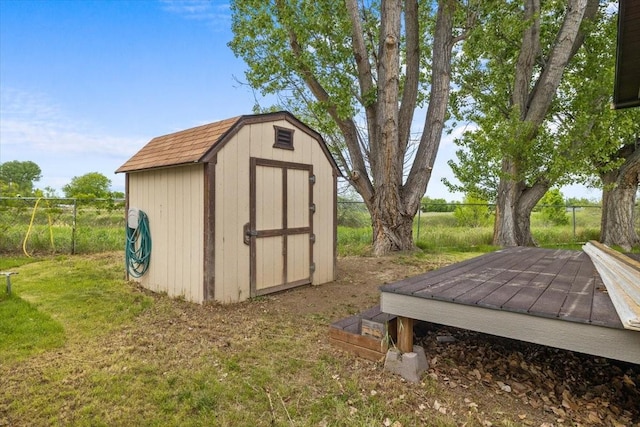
(553, 207)
(473, 212)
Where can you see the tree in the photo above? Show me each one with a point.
(17, 178)
(553, 208)
(357, 71)
(511, 70)
(93, 185)
(620, 187)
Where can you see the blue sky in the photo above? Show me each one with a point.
(84, 84)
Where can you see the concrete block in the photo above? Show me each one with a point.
(409, 366)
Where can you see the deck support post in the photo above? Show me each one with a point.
(407, 360)
(405, 334)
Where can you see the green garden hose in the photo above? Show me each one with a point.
(138, 249)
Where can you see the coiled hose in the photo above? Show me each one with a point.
(138, 247)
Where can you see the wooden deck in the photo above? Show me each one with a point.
(545, 296)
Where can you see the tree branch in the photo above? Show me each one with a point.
(527, 57)
(346, 126)
(567, 43)
(420, 172)
(412, 74)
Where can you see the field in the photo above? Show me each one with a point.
(63, 226)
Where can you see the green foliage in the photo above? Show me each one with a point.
(552, 207)
(579, 131)
(352, 213)
(17, 178)
(262, 33)
(428, 204)
(92, 185)
(473, 212)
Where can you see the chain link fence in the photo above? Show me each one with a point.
(459, 225)
(60, 225)
(69, 226)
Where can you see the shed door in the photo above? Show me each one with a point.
(281, 225)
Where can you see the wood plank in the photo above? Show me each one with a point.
(472, 286)
(522, 300)
(420, 281)
(359, 340)
(549, 303)
(602, 310)
(576, 307)
(579, 301)
(347, 321)
(365, 353)
(501, 295)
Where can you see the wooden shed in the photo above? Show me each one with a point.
(237, 208)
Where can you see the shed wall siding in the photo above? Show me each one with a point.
(232, 263)
(173, 199)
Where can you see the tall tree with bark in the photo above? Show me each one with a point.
(510, 71)
(612, 148)
(360, 69)
(620, 188)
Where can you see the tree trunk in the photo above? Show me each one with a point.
(514, 204)
(391, 231)
(618, 204)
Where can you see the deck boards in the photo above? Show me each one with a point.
(548, 283)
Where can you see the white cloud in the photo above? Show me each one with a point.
(33, 127)
(213, 12)
(30, 121)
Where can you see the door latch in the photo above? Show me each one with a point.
(247, 233)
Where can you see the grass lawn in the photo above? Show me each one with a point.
(80, 346)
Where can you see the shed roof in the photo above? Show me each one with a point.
(193, 145)
(187, 146)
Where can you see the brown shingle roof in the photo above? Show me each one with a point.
(187, 146)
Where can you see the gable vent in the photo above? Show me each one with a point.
(284, 138)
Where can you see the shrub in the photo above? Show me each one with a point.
(473, 212)
(553, 208)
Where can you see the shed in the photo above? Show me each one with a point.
(237, 208)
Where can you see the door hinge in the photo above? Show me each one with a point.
(312, 267)
(312, 237)
(312, 207)
(312, 179)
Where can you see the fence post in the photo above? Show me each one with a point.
(73, 227)
(573, 208)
